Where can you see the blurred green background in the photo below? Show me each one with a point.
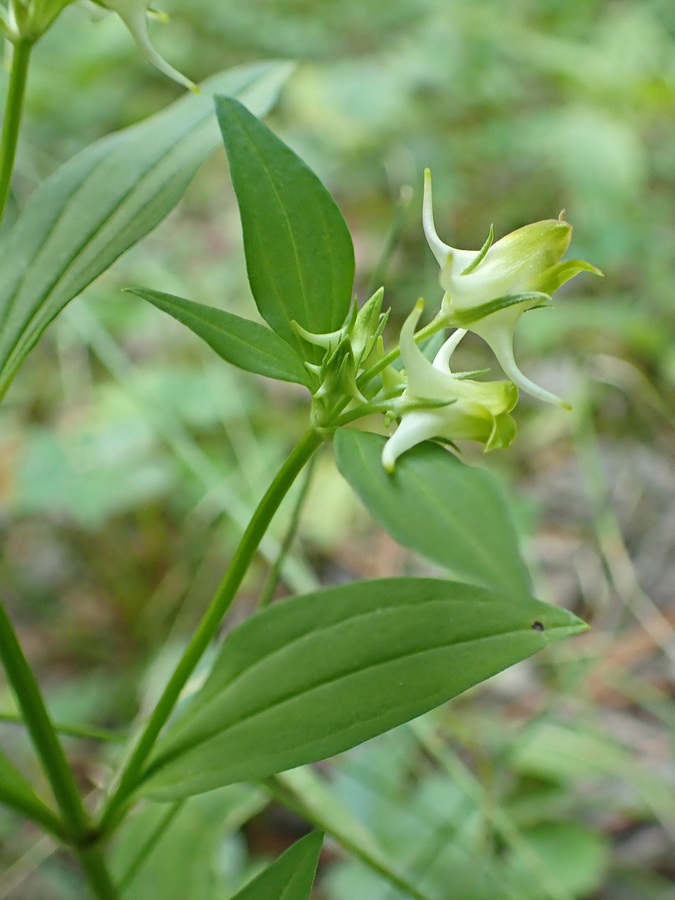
(130, 456)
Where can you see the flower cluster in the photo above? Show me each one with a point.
(486, 292)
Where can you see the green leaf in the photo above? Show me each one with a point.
(290, 877)
(243, 343)
(318, 674)
(299, 253)
(102, 202)
(454, 514)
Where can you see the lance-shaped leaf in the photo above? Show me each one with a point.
(454, 514)
(103, 201)
(239, 341)
(299, 252)
(290, 877)
(318, 674)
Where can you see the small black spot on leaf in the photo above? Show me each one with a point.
(537, 626)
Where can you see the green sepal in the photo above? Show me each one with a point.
(481, 254)
(562, 272)
(463, 318)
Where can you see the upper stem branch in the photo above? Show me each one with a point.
(209, 625)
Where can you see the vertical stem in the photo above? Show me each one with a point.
(95, 868)
(275, 573)
(209, 625)
(13, 114)
(52, 758)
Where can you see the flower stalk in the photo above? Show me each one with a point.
(21, 54)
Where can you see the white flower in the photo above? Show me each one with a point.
(488, 290)
(29, 19)
(456, 408)
(134, 14)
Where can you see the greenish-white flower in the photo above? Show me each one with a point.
(487, 290)
(439, 404)
(135, 14)
(29, 19)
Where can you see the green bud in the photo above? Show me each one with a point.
(368, 327)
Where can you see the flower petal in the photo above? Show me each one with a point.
(134, 14)
(440, 250)
(497, 331)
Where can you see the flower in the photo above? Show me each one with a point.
(29, 19)
(488, 290)
(134, 14)
(439, 404)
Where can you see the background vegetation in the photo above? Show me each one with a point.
(129, 455)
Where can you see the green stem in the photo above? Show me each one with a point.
(95, 868)
(41, 729)
(436, 325)
(392, 240)
(13, 114)
(366, 409)
(275, 573)
(337, 415)
(75, 820)
(83, 732)
(209, 625)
